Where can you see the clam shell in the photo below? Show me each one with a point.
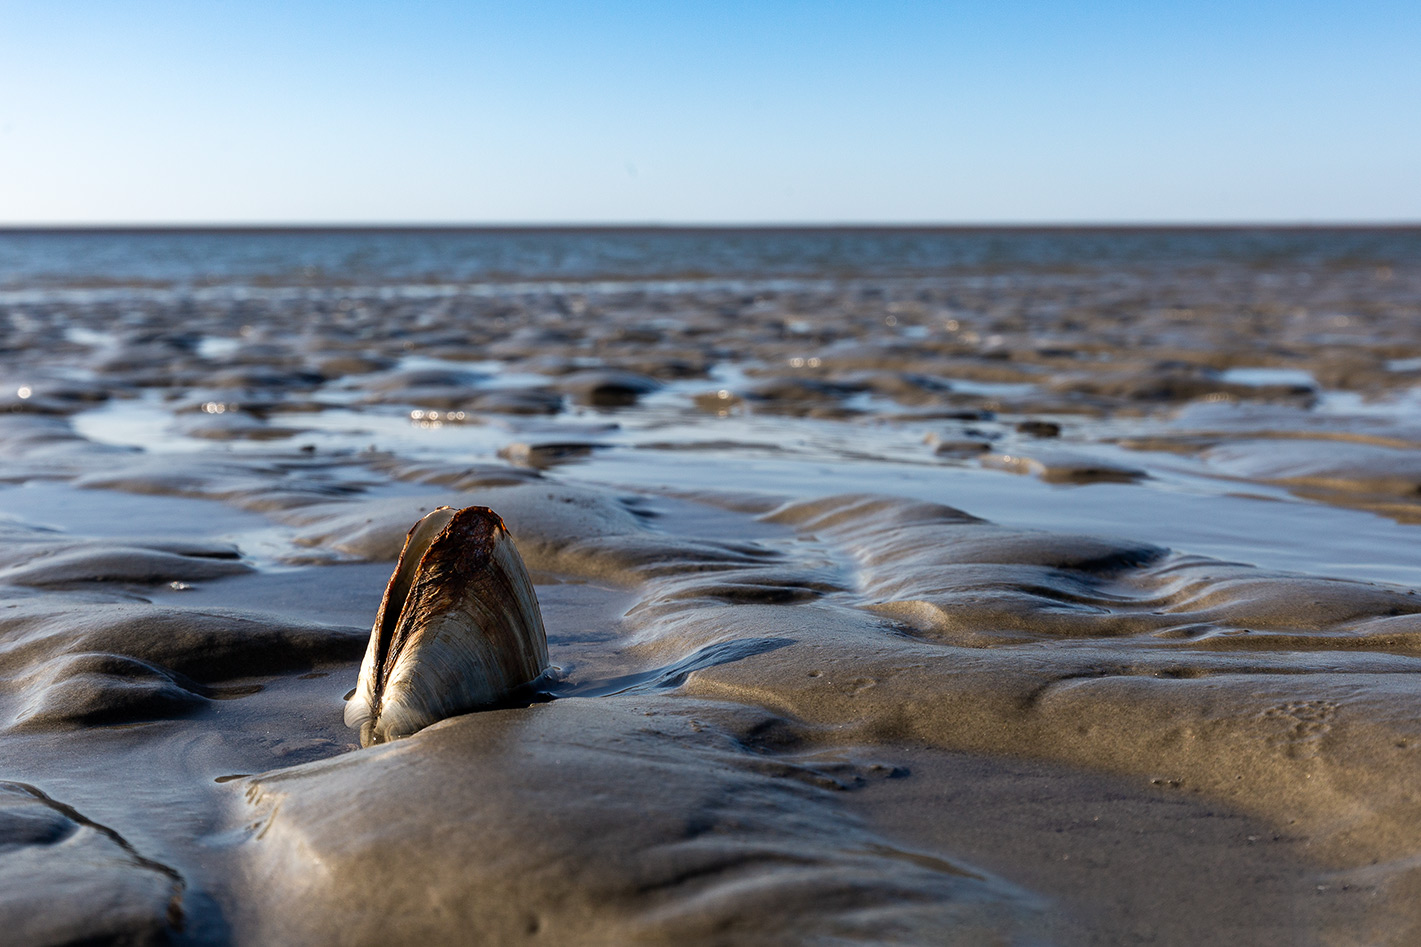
(458, 629)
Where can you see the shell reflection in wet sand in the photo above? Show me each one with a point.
(458, 629)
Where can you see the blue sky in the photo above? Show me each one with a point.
(732, 112)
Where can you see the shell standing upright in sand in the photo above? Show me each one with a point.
(458, 629)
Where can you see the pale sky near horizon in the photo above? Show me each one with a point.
(631, 111)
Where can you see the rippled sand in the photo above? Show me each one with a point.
(1055, 607)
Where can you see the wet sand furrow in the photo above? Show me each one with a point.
(175, 905)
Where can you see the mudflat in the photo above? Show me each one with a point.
(1066, 595)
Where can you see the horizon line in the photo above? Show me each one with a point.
(649, 227)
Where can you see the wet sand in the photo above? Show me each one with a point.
(1061, 605)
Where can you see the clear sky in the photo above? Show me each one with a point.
(634, 111)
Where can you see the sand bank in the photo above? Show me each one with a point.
(1057, 606)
